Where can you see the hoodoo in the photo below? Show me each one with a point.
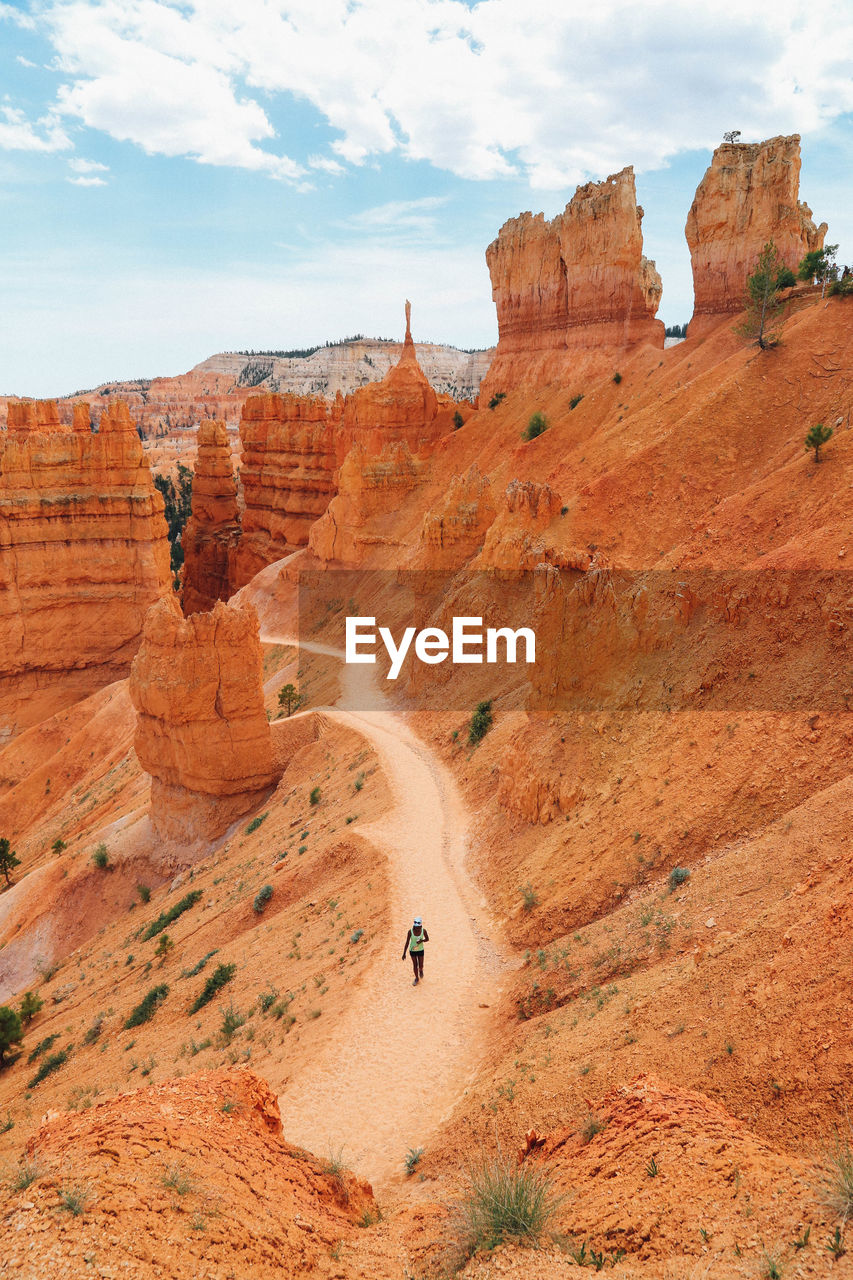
(749, 195)
(83, 555)
(213, 530)
(202, 732)
(576, 284)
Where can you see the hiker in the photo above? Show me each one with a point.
(414, 944)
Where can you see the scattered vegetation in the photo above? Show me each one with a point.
(458, 420)
(315, 795)
(507, 1202)
(11, 1031)
(75, 1198)
(676, 331)
(764, 307)
(289, 697)
(176, 1178)
(817, 438)
(496, 399)
(101, 857)
(575, 400)
(529, 900)
(147, 1006)
(256, 822)
(232, 1021)
(168, 917)
(262, 898)
(144, 893)
(222, 974)
(31, 1004)
(413, 1156)
(177, 500)
(51, 1063)
(536, 426)
(58, 845)
(837, 1180)
(617, 378)
(819, 266)
(42, 1047)
(197, 968)
(677, 876)
(29, 1171)
(481, 723)
(8, 859)
(591, 1126)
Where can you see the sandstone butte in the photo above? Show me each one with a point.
(212, 532)
(749, 195)
(83, 554)
(671, 1052)
(572, 290)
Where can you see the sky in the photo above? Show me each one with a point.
(180, 177)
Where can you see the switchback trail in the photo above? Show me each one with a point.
(401, 1055)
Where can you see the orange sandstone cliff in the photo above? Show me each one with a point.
(213, 530)
(202, 732)
(576, 284)
(749, 195)
(83, 554)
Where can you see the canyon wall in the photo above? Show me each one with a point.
(83, 555)
(202, 731)
(749, 195)
(571, 286)
(212, 533)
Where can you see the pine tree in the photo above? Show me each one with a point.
(764, 309)
(818, 436)
(8, 859)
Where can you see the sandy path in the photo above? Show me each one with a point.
(401, 1055)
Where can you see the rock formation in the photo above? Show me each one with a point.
(289, 461)
(455, 529)
(576, 284)
(749, 195)
(202, 731)
(212, 532)
(296, 458)
(83, 554)
(371, 491)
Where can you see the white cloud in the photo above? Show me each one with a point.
(16, 15)
(86, 182)
(501, 87)
(87, 166)
(25, 62)
(17, 133)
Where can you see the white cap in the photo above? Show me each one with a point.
(418, 920)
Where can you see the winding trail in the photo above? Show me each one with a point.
(400, 1055)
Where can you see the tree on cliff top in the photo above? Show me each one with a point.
(8, 859)
(764, 308)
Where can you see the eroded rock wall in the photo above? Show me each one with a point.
(83, 555)
(749, 195)
(571, 286)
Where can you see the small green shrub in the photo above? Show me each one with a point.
(75, 1198)
(58, 845)
(262, 898)
(147, 1006)
(591, 1126)
(536, 426)
(359, 782)
(528, 897)
(42, 1047)
(11, 1031)
(266, 999)
(144, 893)
(677, 876)
(496, 399)
(256, 822)
(410, 1163)
(167, 917)
(29, 1171)
(359, 933)
(481, 722)
(232, 1021)
(575, 400)
(315, 795)
(31, 1004)
(458, 420)
(177, 1179)
(817, 438)
(47, 1068)
(222, 974)
(197, 968)
(617, 378)
(507, 1202)
(101, 857)
(837, 1177)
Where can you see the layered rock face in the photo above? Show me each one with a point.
(749, 195)
(572, 285)
(212, 532)
(289, 461)
(83, 555)
(455, 529)
(202, 731)
(372, 491)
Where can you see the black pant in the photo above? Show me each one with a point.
(417, 963)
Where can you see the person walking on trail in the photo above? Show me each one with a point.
(415, 939)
